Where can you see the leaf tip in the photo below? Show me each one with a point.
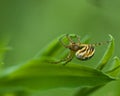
(111, 37)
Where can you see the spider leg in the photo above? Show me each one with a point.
(60, 40)
(65, 60)
(78, 38)
(69, 38)
(68, 60)
(100, 43)
(60, 61)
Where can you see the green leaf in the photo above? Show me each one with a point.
(50, 50)
(40, 75)
(116, 69)
(85, 91)
(55, 92)
(107, 54)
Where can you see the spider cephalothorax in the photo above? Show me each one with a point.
(74, 46)
(81, 51)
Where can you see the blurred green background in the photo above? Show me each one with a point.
(31, 24)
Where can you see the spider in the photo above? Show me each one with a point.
(80, 51)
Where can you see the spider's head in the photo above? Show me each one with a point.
(74, 46)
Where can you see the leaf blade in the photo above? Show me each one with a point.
(39, 75)
(107, 54)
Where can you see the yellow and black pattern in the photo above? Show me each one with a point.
(85, 52)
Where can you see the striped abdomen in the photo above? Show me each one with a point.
(85, 52)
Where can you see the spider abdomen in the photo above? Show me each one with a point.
(86, 52)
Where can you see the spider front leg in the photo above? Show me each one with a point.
(70, 39)
(60, 40)
(78, 38)
(67, 59)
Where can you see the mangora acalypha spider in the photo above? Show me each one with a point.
(77, 49)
